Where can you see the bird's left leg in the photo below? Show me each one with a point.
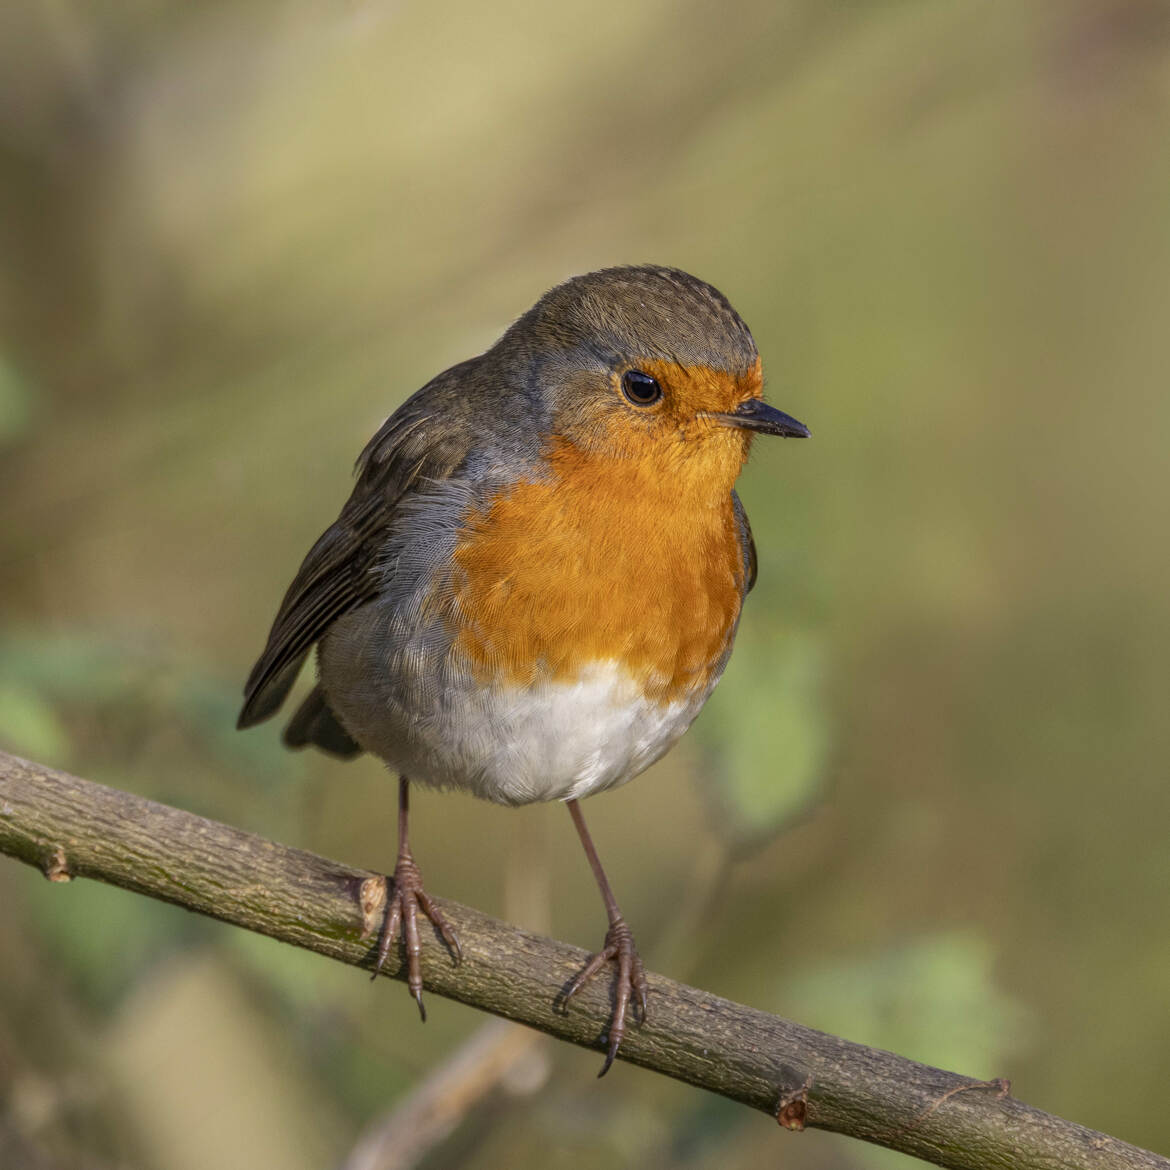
(403, 903)
(619, 946)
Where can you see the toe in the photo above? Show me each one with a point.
(595, 963)
(617, 1022)
(445, 932)
(390, 925)
(413, 952)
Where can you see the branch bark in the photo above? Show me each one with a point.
(68, 827)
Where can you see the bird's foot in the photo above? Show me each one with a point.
(630, 983)
(405, 897)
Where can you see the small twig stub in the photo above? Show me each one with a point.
(57, 866)
(372, 900)
(999, 1086)
(792, 1108)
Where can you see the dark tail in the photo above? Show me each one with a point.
(315, 724)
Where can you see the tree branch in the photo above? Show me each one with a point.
(69, 827)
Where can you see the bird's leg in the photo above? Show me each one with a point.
(404, 898)
(619, 946)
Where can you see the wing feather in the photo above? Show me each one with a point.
(338, 574)
(750, 561)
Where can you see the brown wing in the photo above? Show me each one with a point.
(750, 563)
(337, 575)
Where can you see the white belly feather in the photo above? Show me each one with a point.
(551, 741)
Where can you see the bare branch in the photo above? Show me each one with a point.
(429, 1113)
(68, 827)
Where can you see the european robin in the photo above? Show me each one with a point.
(536, 582)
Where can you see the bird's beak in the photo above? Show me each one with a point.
(756, 415)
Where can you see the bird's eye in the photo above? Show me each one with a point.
(640, 389)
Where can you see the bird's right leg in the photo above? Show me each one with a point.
(405, 897)
(619, 948)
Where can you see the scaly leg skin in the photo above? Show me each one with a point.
(619, 946)
(404, 899)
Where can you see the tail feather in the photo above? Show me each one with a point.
(315, 724)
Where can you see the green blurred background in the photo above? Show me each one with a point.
(927, 808)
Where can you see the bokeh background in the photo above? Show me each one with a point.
(928, 807)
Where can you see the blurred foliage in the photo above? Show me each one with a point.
(769, 738)
(15, 405)
(926, 806)
(934, 999)
(125, 689)
(29, 726)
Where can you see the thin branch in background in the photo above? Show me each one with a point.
(430, 1113)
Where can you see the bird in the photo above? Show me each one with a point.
(538, 577)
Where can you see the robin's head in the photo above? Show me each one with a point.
(650, 364)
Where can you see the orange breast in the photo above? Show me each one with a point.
(605, 560)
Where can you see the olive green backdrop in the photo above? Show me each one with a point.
(928, 807)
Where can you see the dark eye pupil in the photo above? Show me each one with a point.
(639, 388)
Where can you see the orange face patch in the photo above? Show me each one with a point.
(676, 436)
(605, 560)
(691, 391)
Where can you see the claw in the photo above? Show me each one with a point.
(630, 982)
(404, 900)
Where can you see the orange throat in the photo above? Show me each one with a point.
(608, 559)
